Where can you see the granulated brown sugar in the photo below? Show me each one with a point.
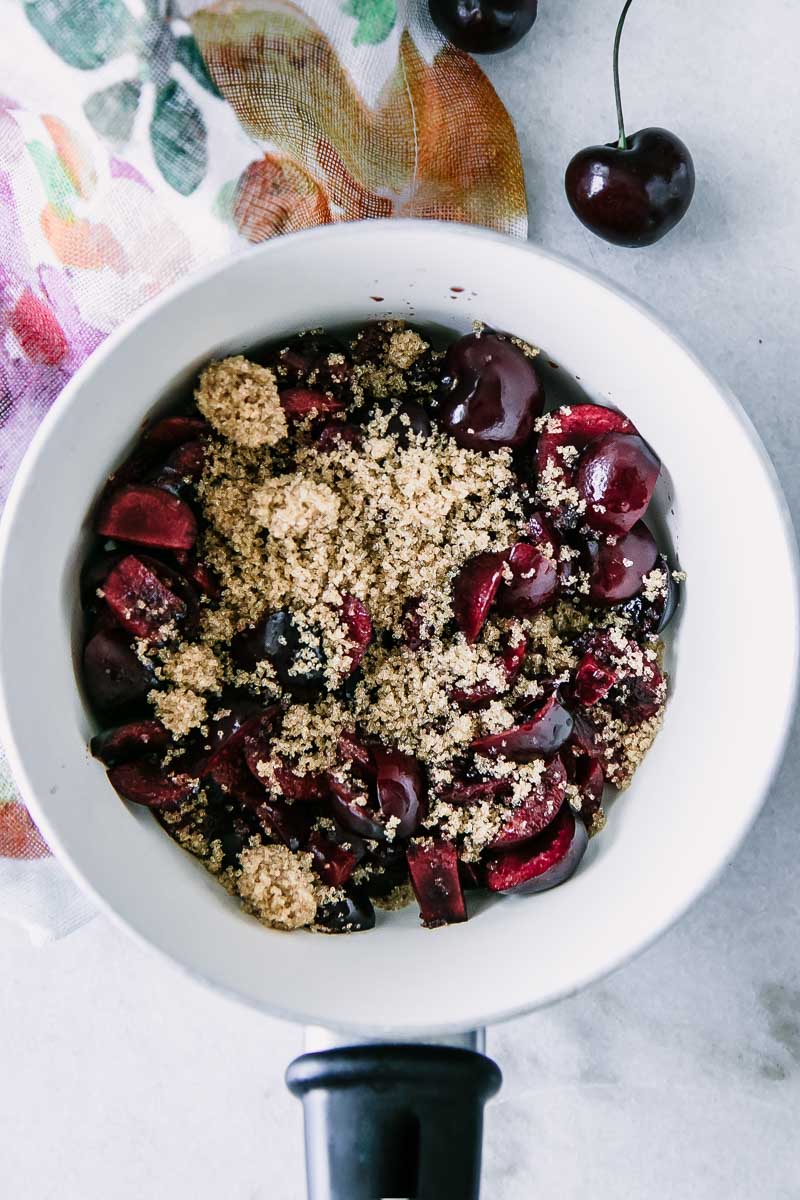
(240, 400)
(350, 518)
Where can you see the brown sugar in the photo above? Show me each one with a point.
(240, 400)
(278, 886)
(293, 525)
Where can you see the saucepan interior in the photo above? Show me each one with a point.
(693, 799)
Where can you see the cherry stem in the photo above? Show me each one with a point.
(623, 141)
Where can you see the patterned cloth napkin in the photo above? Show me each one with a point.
(140, 139)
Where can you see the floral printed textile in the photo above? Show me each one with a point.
(140, 139)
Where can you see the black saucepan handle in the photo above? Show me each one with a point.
(393, 1120)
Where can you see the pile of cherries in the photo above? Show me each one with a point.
(144, 581)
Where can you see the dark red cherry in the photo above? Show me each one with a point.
(353, 914)
(409, 419)
(493, 392)
(144, 782)
(483, 26)
(400, 789)
(632, 191)
(115, 678)
(548, 860)
(276, 639)
(474, 590)
(632, 196)
(148, 516)
(542, 736)
(125, 742)
(617, 570)
(616, 478)
(433, 866)
(141, 602)
(541, 806)
(534, 582)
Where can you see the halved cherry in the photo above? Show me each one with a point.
(537, 810)
(336, 434)
(358, 623)
(474, 590)
(592, 681)
(145, 782)
(333, 863)
(115, 677)
(400, 789)
(148, 516)
(576, 425)
(616, 478)
(352, 806)
(299, 403)
(286, 823)
(433, 866)
(276, 639)
(511, 660)
(199, 574)
(267, 767)
(132, 740)
(140, 601)
(352, 914)
(174, 431)
(617, 570)
(541, 737)
(543, 863)
(574, 428)
(494, 394)
(472, 792)
(534, 582)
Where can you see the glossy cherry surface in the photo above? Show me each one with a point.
(632, 196)
(493, 393)
(484, 26)
(616, 479)
(618, 569)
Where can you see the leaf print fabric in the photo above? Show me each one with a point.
(141, 139)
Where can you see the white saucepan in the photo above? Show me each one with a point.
(733, 658)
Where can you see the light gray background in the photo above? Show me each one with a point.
(680, 1076)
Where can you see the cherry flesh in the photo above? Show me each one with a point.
(548, 860)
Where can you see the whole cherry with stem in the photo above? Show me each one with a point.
(632, 191)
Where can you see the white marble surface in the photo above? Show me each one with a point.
(680, 1076)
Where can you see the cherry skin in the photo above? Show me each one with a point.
(484, 26)
(493, 393)
(616, 478)
(632, 196)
